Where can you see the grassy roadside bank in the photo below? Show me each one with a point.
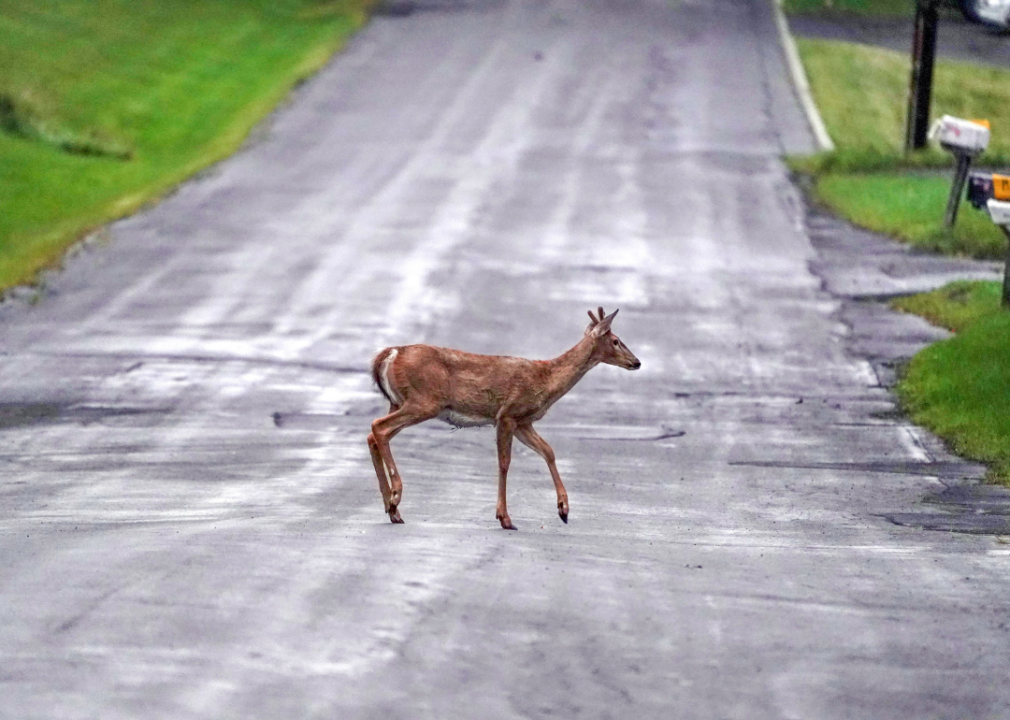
(861, 93)
(960, 388)
(106, 104)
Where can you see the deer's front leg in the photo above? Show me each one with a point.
(531, 439)
(505, 429)
(380, 470)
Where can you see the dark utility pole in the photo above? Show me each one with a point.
(923, 55)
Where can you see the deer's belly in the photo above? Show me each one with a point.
(461, 420)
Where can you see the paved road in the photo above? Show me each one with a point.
(190, 522)
(956, 39)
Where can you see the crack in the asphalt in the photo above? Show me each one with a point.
(899, 467)
(14, 415)
(666, 434)
(196, 358)
(975, 509)
(965, 522)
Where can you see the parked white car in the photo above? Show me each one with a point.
(995, 13)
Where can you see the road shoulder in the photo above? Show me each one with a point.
(862, 270)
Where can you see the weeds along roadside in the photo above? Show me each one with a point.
(106, 105)
(958, 388)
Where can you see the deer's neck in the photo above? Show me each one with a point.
(568, 369)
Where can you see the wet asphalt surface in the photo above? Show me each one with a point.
(956, 39)
(190, 522)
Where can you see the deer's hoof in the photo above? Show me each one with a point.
(506, 523)
(564, 516)
(394, 517)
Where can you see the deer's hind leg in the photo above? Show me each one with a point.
(379, 465)
(383, 430)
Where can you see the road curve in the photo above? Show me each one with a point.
(190, 525)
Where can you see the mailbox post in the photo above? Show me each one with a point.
(999, 211)
(992, 192)
(965, 139)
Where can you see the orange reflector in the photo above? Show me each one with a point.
(983, 123)
(1001, 186)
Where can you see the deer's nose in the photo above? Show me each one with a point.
(635, 365)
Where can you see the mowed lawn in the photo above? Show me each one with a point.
(862, 94)
(106, 104)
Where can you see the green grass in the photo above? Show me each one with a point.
(106, 104)
(861, 93)
(960, 388)
(911, 207)
(955, 306)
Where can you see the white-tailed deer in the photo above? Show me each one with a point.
(423, 382)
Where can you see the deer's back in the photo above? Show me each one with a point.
(462, 388)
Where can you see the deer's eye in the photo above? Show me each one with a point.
(616, 342)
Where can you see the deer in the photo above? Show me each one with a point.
(423, 382)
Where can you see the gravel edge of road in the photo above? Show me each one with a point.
(887, 338)
(863, 270)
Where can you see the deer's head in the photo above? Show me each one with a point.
(609, 348)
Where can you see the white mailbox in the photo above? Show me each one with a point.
(957, 135)
(964, 139)
(999, 211)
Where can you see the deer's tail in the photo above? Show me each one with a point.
(380, 374)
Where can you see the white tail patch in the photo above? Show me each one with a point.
(384, 378)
